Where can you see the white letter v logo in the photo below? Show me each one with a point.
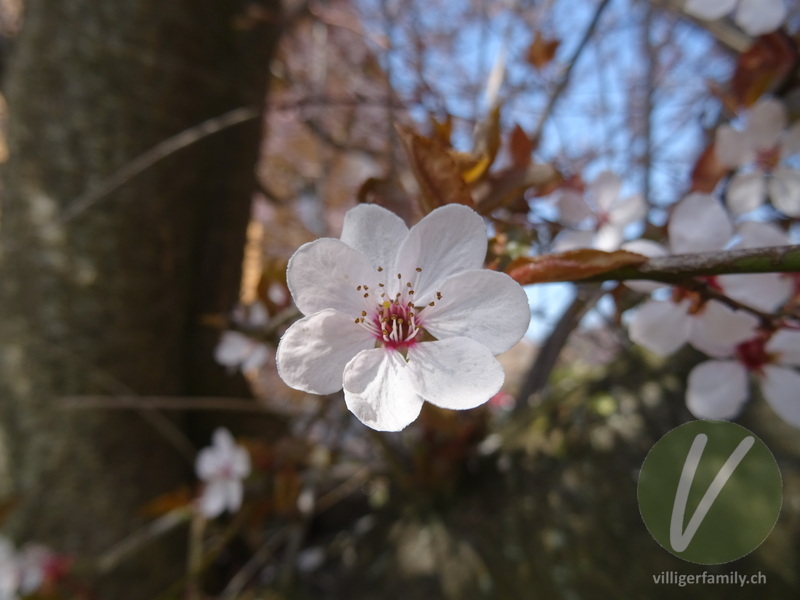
(679, 539)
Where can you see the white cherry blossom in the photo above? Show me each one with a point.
(718, 389)
(398, 317)
(222, 466)
(237, 350)
(755, 17)
(602, 210)
(760, 151)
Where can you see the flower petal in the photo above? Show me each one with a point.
(717, 329)
(609, 237)
(757, 17)
(699, 224)
(223, 440)
(313, 352)
(325, 274)
(375, 232)
(207, 464)
(448, 240)
(572, 240)
(709, 10)
(628, 210)
(784, 190)
(572, 208)
(240, 463)
(785, 344)
(779, 386)
(745, 192)
(603, 192)
(234, 492)
(767, 119)
(764, 291)
(755, 234)
(485, 306)
(233, 349)
(213, 500)
(790, 144)
(716, 389)
(661, 327)
(378, 390)
(456, 373)
(731, 147)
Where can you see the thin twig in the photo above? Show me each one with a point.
(115, 555)
(156, 154)
(565, 78)
(250, 568)
(215, 403)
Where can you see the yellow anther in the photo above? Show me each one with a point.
(419, 269)
(387, 304)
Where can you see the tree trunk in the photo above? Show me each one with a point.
(110, 300)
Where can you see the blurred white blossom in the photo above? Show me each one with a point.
(222, 466)
(599, 217)
(718, 389)
(760, 151)
(755, 17)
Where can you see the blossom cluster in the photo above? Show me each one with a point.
(760, 151)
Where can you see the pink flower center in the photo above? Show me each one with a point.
(767, 159)
(393, 320)
(753, 355)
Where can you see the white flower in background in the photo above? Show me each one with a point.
(399, 317)
(9, 572)
(222, 466)
(755, 17)
(603, 210)
(237, 350)
(718, 389)
(760, 152)
(35, 563)
(700, 224)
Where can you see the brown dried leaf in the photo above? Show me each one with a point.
(542, 50)
(520, 146)
(168, 502)
(707, 171)
(762, 67)
(441, 131)
(571, 265)
(436, 172)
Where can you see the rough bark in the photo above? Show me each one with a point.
(110, 301)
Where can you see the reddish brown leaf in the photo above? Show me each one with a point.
(542, 50)
(762, 67)
(707, 171)
(441, 131)
(571, 265)
(436, 172)
(520, 146)
(168, 502)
